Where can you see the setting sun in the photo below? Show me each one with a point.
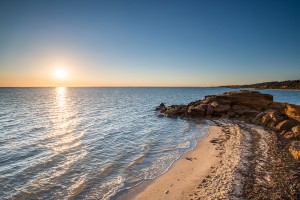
(60, 74)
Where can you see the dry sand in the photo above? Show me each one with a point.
(187, 172)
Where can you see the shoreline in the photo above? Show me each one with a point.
(185, 173)
(235, 160)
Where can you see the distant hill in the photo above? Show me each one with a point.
(291, 84)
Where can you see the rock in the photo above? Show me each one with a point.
(224, 116)
(214, 104)
(162, 105)
(258, 118)
(183, 111)
(271, 118)
(189, 158)
(250, 94)
(283, 132)
(198, 111)
(220, 108)
(230, 114)
(167, 192)
(250, 114)
(249, 106)
(240, 109)
(296, 131)
(295, 149)
(210, 110)
(171, 112)
(289, 135)
(293, 111)
(209, 98)
(161, 108)
(286, 125)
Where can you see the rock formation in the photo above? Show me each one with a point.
(249, 106)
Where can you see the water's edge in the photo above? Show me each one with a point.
(130, 193)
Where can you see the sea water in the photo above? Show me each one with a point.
(91, 143)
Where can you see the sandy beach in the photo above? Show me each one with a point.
(187, 172)
(236, 160)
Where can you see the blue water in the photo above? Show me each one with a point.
(90, 143)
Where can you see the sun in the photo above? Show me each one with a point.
(60, 74)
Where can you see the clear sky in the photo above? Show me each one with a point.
(148, 43)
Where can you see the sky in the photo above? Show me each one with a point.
(148, 42)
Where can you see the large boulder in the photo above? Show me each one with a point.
(295, 149)
(286, 125)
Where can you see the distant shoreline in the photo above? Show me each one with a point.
(283, 85)
(242, 88)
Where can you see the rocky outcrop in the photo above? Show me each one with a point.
(250, 106)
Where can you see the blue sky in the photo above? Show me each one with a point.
(149, 43)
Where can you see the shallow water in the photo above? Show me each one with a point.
(87, 143)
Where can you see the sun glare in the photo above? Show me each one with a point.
(60, 74)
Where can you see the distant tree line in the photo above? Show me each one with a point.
(290, 84)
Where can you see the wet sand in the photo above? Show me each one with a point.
(185, 174)
(235, 161)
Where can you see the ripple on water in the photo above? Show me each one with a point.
(87, 143)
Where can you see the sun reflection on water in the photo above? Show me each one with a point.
(61, 97)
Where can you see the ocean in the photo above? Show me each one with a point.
(93, 143)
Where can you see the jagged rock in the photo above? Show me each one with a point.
(286, 125)
(295, 149)
(293, 111)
